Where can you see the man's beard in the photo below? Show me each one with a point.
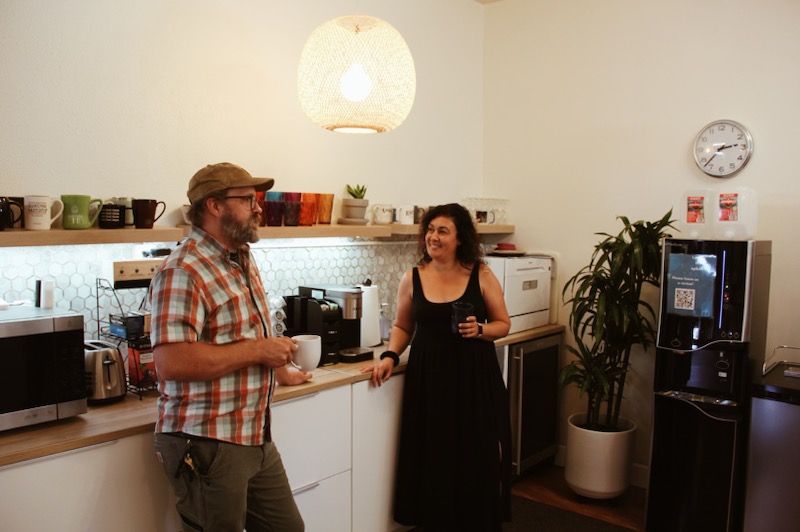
(240, 233)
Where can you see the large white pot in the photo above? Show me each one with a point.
(598, 464)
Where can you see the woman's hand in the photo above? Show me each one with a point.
(381, 371)
(469, 328)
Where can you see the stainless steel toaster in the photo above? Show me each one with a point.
(105, 371)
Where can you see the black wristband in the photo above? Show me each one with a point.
(391, 354)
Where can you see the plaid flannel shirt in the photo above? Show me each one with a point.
(201, 294)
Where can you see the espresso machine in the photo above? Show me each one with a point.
(334, 313)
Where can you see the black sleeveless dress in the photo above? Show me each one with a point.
(454, 461)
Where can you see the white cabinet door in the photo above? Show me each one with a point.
(325, 506)
(312, 433)
(117, 486)
(376, 431)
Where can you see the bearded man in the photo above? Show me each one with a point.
(218, 363)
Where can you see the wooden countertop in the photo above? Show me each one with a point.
(134, 415)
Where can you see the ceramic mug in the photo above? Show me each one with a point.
(484, 217)
(309, 352)
(19, 224)
(461, 310)
(127, 203)
(144, 212)
(7, 217)
(404, 214)
(382, 214)
(111, 216)
(76, 211)
(38, 212)
(419, 213)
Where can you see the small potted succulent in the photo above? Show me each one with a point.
(355, 207)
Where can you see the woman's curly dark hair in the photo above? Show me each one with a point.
(470, 251)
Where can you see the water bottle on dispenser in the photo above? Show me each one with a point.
(694, 214)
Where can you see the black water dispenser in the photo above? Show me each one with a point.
(711, 336)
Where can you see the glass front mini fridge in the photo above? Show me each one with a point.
(533, 392)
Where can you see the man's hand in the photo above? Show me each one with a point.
(276, 352)
(291, 376)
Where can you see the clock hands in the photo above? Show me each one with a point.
(719, 150)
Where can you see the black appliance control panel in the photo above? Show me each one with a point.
(705, 293)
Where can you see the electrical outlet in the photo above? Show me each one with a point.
(135, 273)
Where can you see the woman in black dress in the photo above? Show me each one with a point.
(453, 471)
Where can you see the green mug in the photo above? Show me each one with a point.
(76, 211)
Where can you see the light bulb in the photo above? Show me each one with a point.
(355, 84)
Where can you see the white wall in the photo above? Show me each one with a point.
(591, 111)
(114, 98)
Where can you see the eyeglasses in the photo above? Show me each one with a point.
(253, 200)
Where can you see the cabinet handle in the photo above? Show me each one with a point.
(293, 399)
(305, 488)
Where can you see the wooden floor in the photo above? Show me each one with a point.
(547, 485)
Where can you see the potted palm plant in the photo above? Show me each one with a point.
(608, 318)
(355, 207)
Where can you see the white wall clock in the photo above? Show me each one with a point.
(722, 148)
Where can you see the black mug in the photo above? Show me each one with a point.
(461, 310)
(112, 216)
(7, 218)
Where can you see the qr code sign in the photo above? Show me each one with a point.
(684, 299)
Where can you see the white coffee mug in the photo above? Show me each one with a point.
(404, 214)
(38, 212)
(382, 214)
(309, 351)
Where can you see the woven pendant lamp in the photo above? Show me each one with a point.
(356, 75)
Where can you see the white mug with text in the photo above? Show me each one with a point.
(38, 212)
(382, 214)
(404, 214)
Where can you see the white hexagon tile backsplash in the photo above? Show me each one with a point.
(284, 265)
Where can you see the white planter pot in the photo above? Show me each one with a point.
(598, 464)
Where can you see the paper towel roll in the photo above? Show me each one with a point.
(370, 316)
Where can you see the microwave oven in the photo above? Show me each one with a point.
(43, 371)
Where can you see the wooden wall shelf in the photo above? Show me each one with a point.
(66, 237)
(57, 237)
(483, 229)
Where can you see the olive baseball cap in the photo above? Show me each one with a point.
(216, 177)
